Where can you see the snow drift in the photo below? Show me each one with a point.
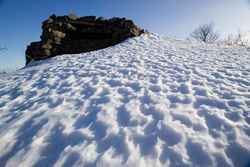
(150, 101)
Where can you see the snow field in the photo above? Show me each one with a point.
(150, 101)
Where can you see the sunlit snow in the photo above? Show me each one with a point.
(150, 101)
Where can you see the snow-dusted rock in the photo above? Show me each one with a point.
(72, 35)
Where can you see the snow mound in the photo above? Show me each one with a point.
(150, 101)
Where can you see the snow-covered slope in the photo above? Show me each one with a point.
(148, 102)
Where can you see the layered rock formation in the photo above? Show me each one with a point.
(71, 35)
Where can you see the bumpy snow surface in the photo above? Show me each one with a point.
(150, 101)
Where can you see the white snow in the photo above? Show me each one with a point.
(148, 102)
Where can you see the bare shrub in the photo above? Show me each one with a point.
(205, 33)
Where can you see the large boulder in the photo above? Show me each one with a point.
(71, 35)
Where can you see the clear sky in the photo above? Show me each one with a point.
(20, 20)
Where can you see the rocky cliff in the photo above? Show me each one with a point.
(71, 35)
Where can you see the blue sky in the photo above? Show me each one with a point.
(21, 20)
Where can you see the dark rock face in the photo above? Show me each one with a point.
(71, 35)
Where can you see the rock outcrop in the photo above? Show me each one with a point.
(71, 35)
